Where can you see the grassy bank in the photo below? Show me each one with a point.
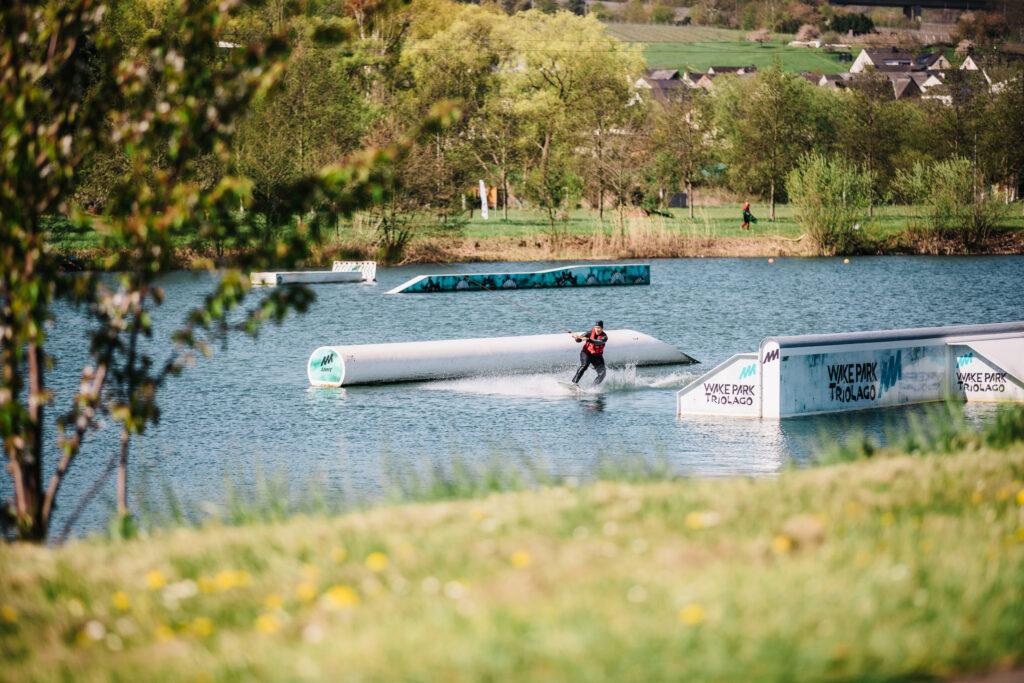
(896, 568)
(527, 235)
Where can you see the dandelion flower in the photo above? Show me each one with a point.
(341, 597)
(273, 602)
(1020, 497)
(692, 614)
(8, 614)
(306, 591)
(338, 555)
(267, 624)
(163, 632)
(376, 562)
(155, 579)
(702, 519)
(202, 627)
(521, 559)
(782, 544)
(121, 601)
(230, 578)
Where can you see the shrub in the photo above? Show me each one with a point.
(857, 23)
(807, 32)
(832, 196)
(955, 202)
(662, 14)
(760, 36)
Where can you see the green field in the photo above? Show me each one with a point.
(889, 569)
(709, 222)
(695, 48)
(700, 56)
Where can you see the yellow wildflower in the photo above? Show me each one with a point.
(155, 579)
(976, 497)
(521, 559)
(230, 578)
(206, 584)
(701, 519)
(1020, 534)
(9, 614)
(306, 591)
(338, 555)
(267, 624)
(341, 597)
(202, 627)
(782, 544)
(163, 632)
(121, 601)
(376, 562)
(692, 614)
(1020, 497)
(273, 602)
(1003, 494)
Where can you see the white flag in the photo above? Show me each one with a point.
(483, 200)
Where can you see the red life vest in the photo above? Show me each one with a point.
(595, 349)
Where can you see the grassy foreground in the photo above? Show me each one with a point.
(888, 569)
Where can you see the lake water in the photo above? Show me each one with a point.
(249, 412)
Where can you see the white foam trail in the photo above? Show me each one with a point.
(551, 386)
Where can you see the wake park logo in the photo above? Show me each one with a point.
(891, 372)
(748, 371)
(771, 355)
(964, 360)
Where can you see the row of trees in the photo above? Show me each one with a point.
(548, 112)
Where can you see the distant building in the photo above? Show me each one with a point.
(904, 86)
(894, 59)
(882, 60)
(739, 70)
(664, 85)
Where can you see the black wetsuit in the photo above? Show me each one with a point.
(592, 354)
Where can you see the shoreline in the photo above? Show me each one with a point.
(543, 247)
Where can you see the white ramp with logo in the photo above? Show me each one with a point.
(830, 373)
(732, 388)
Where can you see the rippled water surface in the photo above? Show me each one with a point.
(250, 409)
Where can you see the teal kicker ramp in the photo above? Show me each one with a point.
(568, 276)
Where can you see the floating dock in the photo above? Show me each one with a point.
(831, 373)
(335, 366)
(342, 271)
(570, 276)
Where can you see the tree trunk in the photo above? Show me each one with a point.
(600, 203)
(689, 197)
(773, 200)
(32, 457)
(504, 194)
(122, 476)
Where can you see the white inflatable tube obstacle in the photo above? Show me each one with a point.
(335, 366)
